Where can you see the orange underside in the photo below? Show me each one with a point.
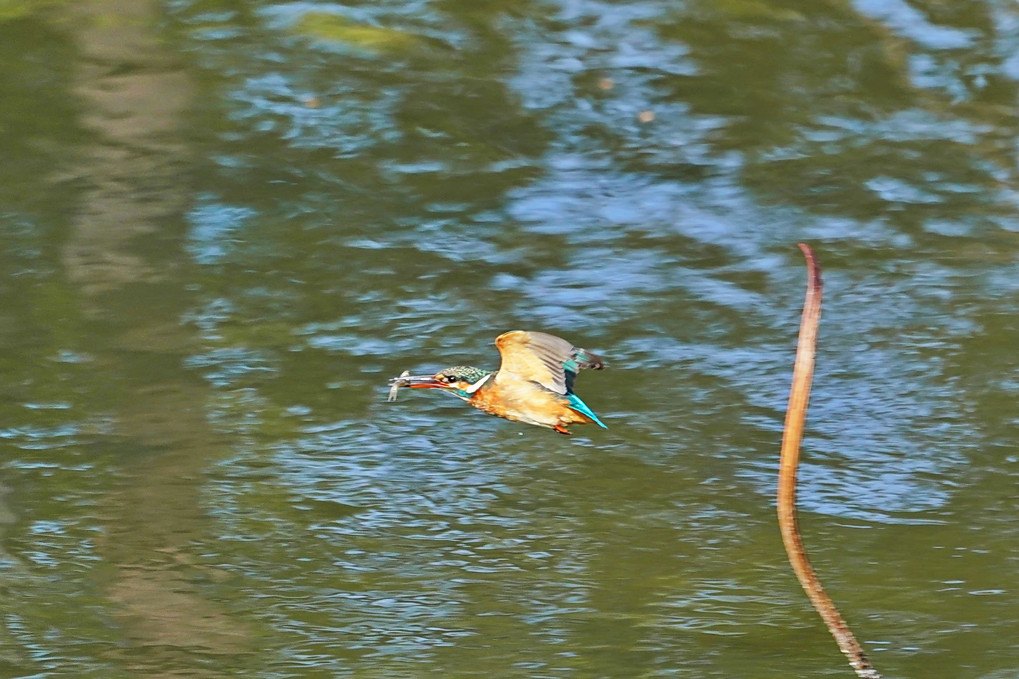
(526, 403)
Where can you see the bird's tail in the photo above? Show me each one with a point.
(582, 408)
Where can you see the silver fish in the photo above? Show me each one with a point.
(396, 383)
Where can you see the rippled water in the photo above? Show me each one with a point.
(225, 225)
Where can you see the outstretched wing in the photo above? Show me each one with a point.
(546, 359)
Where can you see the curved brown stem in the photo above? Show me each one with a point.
(796, 415)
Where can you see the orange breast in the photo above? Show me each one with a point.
(523, 401)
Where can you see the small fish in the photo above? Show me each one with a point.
(396, 383)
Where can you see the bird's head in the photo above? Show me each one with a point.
(462, 380)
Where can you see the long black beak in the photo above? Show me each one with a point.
(413, 381)
(417, 381)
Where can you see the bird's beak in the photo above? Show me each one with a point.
(417, 382)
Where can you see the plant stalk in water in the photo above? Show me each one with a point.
(796, 414)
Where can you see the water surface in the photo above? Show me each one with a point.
(225, 225)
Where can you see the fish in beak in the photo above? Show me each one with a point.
(413, 381)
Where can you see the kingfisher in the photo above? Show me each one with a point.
(534, 383)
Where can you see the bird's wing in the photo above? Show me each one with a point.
(546, 359)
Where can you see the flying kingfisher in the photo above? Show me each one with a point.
(534, 384)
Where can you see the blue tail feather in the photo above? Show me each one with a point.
(583, 409)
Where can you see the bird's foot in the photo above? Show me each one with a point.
(561, 429)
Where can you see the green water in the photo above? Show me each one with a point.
(224, 225)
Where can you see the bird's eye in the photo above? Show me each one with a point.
(450, 378)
